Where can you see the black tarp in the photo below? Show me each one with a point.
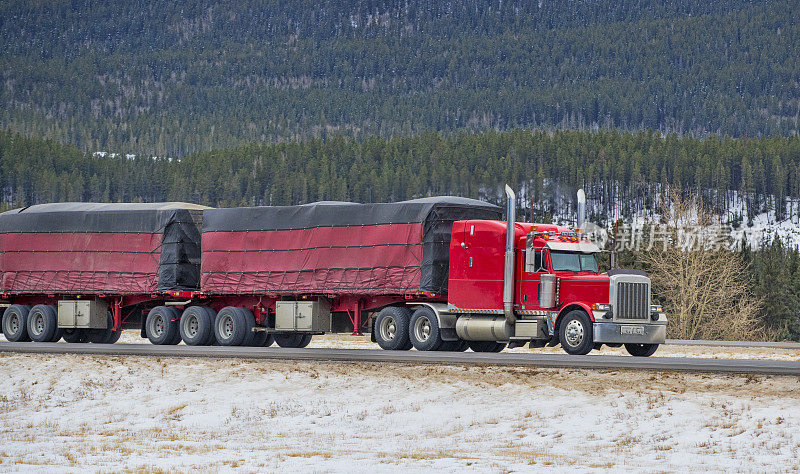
(436, 214)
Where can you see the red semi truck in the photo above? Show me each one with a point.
(434, 274)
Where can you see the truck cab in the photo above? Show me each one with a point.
(559, 293)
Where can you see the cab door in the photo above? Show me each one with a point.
(533, 264)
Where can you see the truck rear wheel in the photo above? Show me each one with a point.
(197, 326)
(234, 326)
(575, 333)
(486, 346)
(391, 328)
(43, 324)
(161, 327)
(454, 346)
(15, 323)
(270, 340)
(641, 350)
(424, 330)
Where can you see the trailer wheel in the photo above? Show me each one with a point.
(250, 323)
(270, 340)
(103, 336)
(59, 332)
(424, 330)
(292, 340)
(212, 339)
(114, 337)
(391, 328)
(233, 328)
(74, 336)
(575, 333)
(305, 340)
(42, 323)
(486, 346)
(259, 338)
(641, 350)
(15, 323)
(160, 327)
(196, 326)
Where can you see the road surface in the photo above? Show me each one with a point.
(601, 362)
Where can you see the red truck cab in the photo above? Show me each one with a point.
(559, 293)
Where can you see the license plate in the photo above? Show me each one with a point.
(639, 330)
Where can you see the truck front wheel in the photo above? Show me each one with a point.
(575, 333)
(641, 350)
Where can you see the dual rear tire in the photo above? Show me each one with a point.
(161, 326)
(15, 323)
(42, 324)
(202, 326)
(398, 328)
(21, 323)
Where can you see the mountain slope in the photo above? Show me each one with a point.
(177, 77)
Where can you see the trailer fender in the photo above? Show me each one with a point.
(447, 320)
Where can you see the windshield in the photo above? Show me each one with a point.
(576, 262)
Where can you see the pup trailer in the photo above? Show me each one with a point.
(442, 273)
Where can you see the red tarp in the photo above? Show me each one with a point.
(79, 263)
(376, 259)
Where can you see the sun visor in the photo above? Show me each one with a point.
(583, 247)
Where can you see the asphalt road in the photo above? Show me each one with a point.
(731, 366)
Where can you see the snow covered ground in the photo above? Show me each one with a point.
(78, 413)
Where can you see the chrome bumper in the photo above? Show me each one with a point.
(625, 333)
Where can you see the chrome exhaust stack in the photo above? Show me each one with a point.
(508, 269)
(581, 223)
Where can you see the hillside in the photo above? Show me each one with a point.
(173, 78)
(623, 173)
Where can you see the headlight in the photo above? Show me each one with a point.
(601, 307)
(656, 308)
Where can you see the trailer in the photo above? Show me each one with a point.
(443, 273)
(81, 270)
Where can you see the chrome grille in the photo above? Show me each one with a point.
(633, 300)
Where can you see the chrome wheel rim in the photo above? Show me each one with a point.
(388, 328)
(38, 324)
(157, 326)
(574, 333)
(226, 327)
(13, 323)
(191, 326)
(422, 329)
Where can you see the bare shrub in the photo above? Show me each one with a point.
(705, 292)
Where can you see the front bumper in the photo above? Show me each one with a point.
(627, 333)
